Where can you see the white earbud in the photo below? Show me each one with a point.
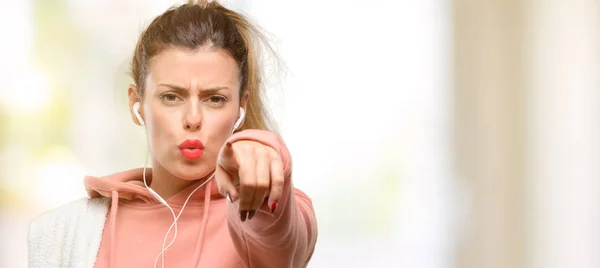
(240, 119)
(136, 112)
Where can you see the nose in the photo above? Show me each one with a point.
(193, 119)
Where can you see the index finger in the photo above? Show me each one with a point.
(227, 159)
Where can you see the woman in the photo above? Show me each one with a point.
(211, 199)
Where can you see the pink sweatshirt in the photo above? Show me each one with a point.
(210, 233)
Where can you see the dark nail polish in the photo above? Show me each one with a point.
(229, 198)
(243, 215)
(251, 214)
(273, 206)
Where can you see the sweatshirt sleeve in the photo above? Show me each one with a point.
(285, 238)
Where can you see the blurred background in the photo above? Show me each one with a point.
(429, 133)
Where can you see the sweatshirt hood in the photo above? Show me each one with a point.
(130, 185)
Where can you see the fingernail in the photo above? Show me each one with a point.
(243, 215)
(229, 198)
(228, 144)
(251, 214)
(273, 206)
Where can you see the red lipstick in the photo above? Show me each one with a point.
(191, 149)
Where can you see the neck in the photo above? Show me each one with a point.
(166, 184)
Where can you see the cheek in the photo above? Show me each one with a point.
(161, 132)
(218, 130)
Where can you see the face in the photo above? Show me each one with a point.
(189, 96)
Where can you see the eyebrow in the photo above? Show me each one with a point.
(204, 91)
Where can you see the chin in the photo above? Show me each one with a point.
(191, 171)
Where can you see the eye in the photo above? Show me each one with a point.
(216, 100)
(170, 97)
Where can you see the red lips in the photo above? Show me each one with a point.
(191, 149)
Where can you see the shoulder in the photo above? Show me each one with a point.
(302, 195)
(83, 205)
(70, 213)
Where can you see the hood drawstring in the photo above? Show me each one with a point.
(113, 222)
(200, 243)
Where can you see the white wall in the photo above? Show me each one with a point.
(564, 64)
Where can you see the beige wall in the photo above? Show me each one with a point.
(488, 108)
(527, 132)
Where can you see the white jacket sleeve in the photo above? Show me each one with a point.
(69, 236)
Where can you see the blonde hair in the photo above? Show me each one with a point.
(208, 23)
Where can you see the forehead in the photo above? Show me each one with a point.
(206, 67)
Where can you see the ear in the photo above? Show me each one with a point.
(133, 98)
(243, 102)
